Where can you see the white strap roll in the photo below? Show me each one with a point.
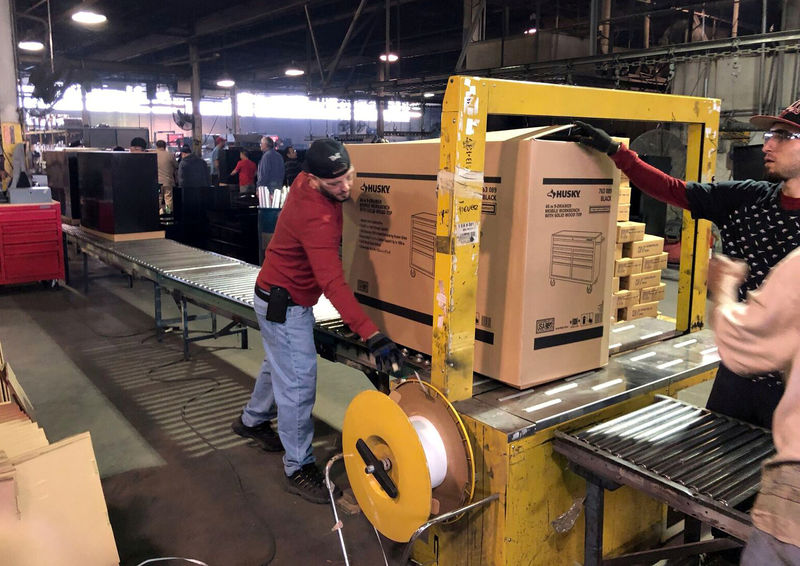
(433, 446)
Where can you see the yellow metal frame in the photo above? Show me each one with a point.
(467, 103)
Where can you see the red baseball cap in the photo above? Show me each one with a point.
(790, 116)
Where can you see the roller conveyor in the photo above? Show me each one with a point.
(697, 461)
(221, 285)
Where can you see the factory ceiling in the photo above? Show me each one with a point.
(337, 42)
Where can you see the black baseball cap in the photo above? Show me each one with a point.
(790, 116)
(185, 148)
(327, 159)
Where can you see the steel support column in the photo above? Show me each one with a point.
(197, 124)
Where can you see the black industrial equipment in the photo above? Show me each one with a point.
(229, 157)
(118, 191)
(748, 162)
(62, 178)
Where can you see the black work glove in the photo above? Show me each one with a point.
(594, 138)
(387, 354)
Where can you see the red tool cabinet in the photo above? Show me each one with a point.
(30, 243)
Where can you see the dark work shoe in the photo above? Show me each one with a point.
(262, 434)
(309, 483)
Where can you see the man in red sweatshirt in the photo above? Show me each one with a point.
(246, 170)
(302, 262)
(759, 222)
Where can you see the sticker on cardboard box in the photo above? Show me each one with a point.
(466, 233)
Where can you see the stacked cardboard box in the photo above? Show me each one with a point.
(52, 509)
(639, 259)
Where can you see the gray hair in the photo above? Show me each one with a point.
(269, 141)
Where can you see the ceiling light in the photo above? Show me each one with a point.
(391, 57)
(529, 31)
(88, 17)
(30, 45)
(226, 82)
(294, 71)
(428, 95)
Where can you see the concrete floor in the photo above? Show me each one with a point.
(90, 362)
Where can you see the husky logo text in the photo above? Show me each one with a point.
(335, 156)
(565, 193)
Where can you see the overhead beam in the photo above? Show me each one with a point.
(148, 44)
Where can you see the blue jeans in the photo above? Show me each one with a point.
(287, 384)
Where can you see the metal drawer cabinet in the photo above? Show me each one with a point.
(575, 256)
(30, 243)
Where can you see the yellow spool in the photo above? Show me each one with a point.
(382, 422)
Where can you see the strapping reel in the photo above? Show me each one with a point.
(407, 457)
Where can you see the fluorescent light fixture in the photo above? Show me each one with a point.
(226, 82)
(294, 72)
(88, 17)
(30, 45)
(530, 31)
(391, 57)
(428, 95)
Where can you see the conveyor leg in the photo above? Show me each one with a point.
(244, 338)
(185, 317)
(65, 246)
(85, 273)
(593, 541)
(130, 281)
(157, 307)
(213, 323)
(692, 532)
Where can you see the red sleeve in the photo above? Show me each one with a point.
(321, 245)
(650, 180)
(236, 169)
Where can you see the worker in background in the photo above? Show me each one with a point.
(193, 171)
(166, 176)
(759, 222)
(246, 170)
(291, 166)
(219, 145)
(270, 168)
(138, 145)
(760, 335)
(302, 262)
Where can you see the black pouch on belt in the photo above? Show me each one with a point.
(278, 303)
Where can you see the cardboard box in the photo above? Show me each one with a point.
(624, 194)
(614, 284)
(627, 266)
(625, 298)
(629, 231)
(623, 213)
(639, 281)
(546, 251)
(646, 246)
(654, 262)
(653, 294)
(642, 310)
(617, 251)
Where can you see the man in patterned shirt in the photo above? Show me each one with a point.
(759, 222)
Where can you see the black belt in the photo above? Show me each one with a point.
(264, 296)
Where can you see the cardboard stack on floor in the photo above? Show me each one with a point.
(52, 509)
(638, 261)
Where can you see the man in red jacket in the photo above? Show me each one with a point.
(246, 170)
(759, 222)
(302, 262)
